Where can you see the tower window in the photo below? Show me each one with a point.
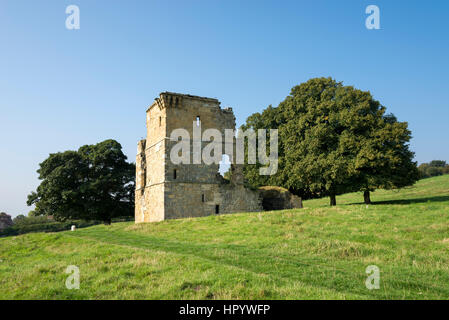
(174, 174)
(217, 209)
(160, 121)
(198, 121)
(203, 198)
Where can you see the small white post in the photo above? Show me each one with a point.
(73, 228)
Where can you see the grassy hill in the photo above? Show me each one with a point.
(314, 253)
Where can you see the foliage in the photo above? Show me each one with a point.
(31, 224)
(334, 139)
(23, 220)
(227, 174)
(19, 218)
(5, 220)
(42, 224)
(433, 168)
(93, 183)
(31, 213)
(385, 161)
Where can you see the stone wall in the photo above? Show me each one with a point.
(198, 200)
(278, 198)
(165, 190)
(150, 205)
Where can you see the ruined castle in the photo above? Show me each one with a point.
(165, 190)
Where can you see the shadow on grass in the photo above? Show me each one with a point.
(410, 201)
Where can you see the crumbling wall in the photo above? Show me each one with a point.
(237, 198)
(197, 200)
(181, 190)
(278, 198)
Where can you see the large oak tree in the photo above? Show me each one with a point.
(94, 183)
(334, 139)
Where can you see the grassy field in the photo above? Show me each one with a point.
(314, 253)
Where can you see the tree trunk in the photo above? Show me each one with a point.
(333, 200)
(366, 197)
(107, 221)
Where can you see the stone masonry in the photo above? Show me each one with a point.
(168, 191)
(278, 198)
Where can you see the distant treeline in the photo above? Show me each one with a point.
(433, 168)
(23, 224)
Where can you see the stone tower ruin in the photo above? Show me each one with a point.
(167, 191)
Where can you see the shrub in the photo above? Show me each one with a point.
(433, 168)
(42, 224)
(29, 224)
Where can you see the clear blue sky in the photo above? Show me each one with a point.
(60, 88)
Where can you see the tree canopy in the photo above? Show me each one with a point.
(94, 183)
(433, 168)
(334, 139)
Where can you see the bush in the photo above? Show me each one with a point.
(433, 168)
(19, 218)
(23, 220)
(23, 224)
(42, 224)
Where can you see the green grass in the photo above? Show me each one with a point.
(313, 253)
